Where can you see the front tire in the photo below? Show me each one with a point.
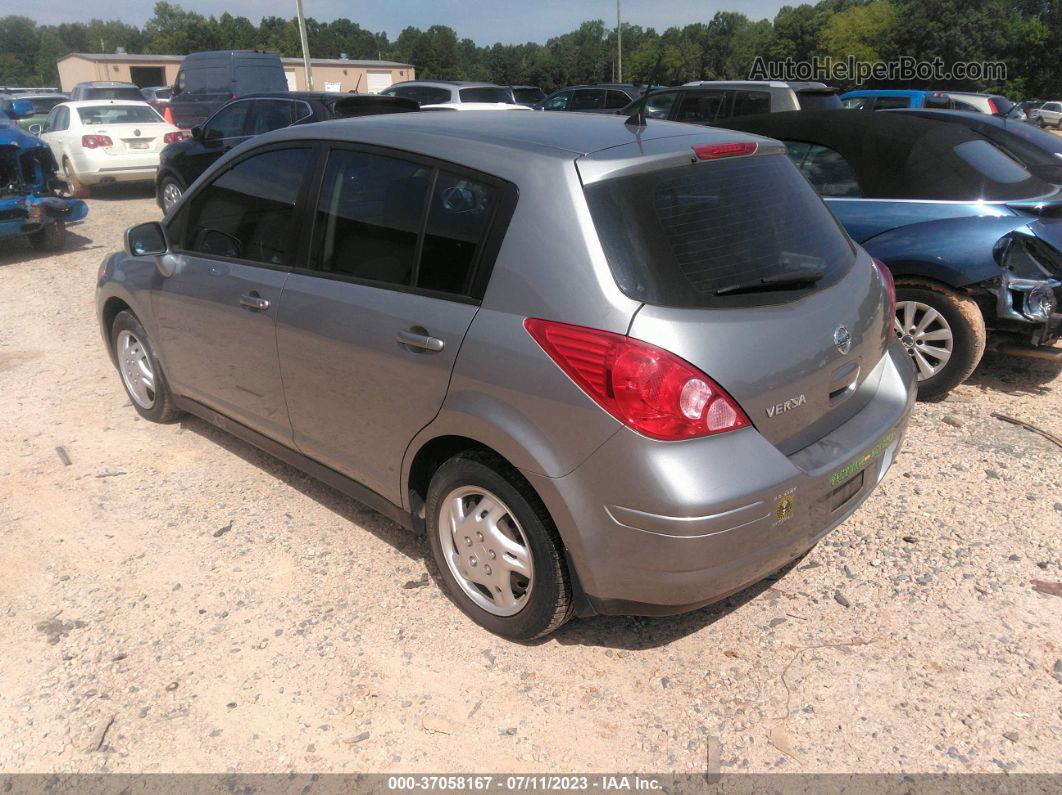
(498, 552)
(51, 238)
(138, 366)
(170, 192)
(942, 331)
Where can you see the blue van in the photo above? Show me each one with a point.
(208, 80)
(887, 99)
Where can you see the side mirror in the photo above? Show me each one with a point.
(35, 129)
(20, 108)
(175, 89)
(144, 240)
(197, 133)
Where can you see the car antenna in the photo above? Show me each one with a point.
(637, 119)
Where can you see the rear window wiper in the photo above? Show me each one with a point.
(778, 281)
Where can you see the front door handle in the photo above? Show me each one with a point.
(419, 338)
(253, 300)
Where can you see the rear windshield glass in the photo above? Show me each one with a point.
(114, 93)
(675, 237)
(423, 95)
(819, 101)
(485, 95)
(118, 114)
(250, 79)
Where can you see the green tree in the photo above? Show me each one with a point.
(861, 31)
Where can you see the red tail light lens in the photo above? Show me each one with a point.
(890, 288)
(96, 141)
(716, 151)
(992, 107)
(646, 388)
(174, 137)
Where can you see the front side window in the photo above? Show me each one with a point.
(587, 99)
(559, 102)
(273, 114)
(855, 103)
(752, 103)
(616, 99)
(248, 212)
(658, 106)
(423, 95)
(228, 122)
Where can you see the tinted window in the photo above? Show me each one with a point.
(249, 211)
(161, 93)
(207, 79)
(884, 103)
(616, 99)
(424, 95)
(657, 106)
(259, 77)
(272, 114)
(813, 100)
(228, 122)
(855, 103)
(122, 92)
(118, 114)
(701, 107)
(559, 102)
(45, 104)
(750, 103)
(958, 104)
(991, 162)
(369, 216)
(485, 94)
(829, 172)
(587, 99)
(530, 95)
(676, 236)
(461, 210)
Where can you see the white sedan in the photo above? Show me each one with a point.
(105, 141)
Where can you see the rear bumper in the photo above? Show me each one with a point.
(657, 528)
(95, 169)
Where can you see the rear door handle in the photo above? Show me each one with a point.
(418, 337)
(253, 300)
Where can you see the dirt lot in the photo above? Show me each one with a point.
(173, 600)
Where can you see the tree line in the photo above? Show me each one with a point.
(1023, 34)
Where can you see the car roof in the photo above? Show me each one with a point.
(888, 92)
(95, 103)
(50, 95)
(551, 135)
(106, 84)
(447, 84)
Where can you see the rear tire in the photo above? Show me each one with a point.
(170, 192)
(78, 189)
(943, 332)
(529, 592)
(139, 368)
(51, 238)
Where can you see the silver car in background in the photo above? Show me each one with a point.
(606, 368)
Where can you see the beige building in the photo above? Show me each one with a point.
(329, 74)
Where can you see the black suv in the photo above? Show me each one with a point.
(181, 163)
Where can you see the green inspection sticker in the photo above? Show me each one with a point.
(841, 475)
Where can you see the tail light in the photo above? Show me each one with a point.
(890, 288)
(648, 389)
(716, 151)
(174, 137)
(96, 141)
(992, 107)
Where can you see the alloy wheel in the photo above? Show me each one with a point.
(925, 335)
(134, 363)
(171, 194)
(486, 550)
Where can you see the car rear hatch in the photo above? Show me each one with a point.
(745, 274)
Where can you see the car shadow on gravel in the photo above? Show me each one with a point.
(1014, 375)
(360, 516)
(123, 191)
(19, 250)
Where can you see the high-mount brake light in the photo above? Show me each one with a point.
(648, 389)
(717, 151)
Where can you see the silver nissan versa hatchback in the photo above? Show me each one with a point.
(607, 368)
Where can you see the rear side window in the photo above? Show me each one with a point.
(485, 94)
(816, 100)
(251, 78)
(616, 99)
(531, 95)
(678, 236)
(855, 103)
(992, 162)
(885, 103)
(587, 99)
(702, 107)
(273, 114)
(461, 210)
(249, 211)
(422, 95)
(751, 103)
(825, 169)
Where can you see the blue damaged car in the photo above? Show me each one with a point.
(31, 204)
(967, 220)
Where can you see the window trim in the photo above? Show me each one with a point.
(301, 244)
(490, 243)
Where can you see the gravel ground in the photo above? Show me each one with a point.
(174, 600)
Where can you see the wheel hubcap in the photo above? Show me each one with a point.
(135, 367)
(926, 335)
(486, 550)
(170, 195)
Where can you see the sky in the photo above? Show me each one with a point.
(484, 21)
